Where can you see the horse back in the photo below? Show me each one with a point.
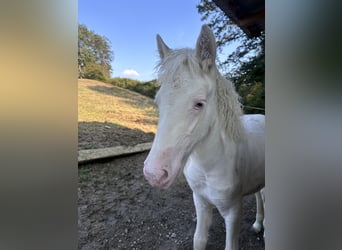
(251, 154)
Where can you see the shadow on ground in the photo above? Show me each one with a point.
(93, 135)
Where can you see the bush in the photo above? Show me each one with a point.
(253, 97)
(149, 88)
(95, 72)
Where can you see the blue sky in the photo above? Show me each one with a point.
(132, 25)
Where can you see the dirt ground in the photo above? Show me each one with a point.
(117, 209)
(92, 135)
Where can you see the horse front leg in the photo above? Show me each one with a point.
(203, 215)
(232, 217)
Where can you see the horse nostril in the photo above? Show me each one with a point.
(165, 174)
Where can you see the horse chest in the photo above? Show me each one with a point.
(217, 190)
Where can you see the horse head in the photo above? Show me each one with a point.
(187, 103)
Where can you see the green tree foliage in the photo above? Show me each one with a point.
(94, 55)
(149, 88)
(246, 65)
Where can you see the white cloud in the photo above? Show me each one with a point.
(130, 72)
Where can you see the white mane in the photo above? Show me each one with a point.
(228, 105)
(229, 108)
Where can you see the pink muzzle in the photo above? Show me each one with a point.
(157, 168)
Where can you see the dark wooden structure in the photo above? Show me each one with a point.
(249, 15)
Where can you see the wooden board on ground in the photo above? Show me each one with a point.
(89, 155)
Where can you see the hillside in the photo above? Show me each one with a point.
(102, 102)
(110, 116)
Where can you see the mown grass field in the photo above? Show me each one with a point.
(103, 102)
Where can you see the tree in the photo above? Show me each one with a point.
(246, 65)
(94, 55)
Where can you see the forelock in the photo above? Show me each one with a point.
(170, 68)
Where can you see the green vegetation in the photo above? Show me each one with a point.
(94, 55)
(148, 89)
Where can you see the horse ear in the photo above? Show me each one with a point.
(206, 48)
(162, 47)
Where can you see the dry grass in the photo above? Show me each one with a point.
(102, 102)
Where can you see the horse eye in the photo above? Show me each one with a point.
(199, 105)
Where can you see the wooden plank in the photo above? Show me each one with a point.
(88, 155)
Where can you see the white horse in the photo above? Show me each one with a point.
(201, 129)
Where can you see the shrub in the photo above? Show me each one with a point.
(95, 72)
(149, 88)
